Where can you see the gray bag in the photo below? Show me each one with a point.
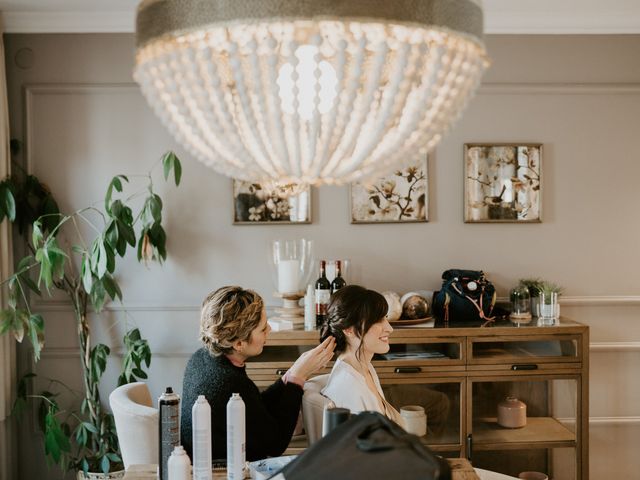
(369, 446)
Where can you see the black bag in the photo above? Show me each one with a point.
(465, 296)
(368, 446)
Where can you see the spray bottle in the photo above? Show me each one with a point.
(235, 438)
(201, 420)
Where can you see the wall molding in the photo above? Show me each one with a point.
(69, 22)
(32, 90)
(614, 347)
(549, 88)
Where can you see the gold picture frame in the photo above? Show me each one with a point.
(252, 205)
(503, 182)
(400, 197)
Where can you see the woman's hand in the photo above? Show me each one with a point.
(313, 360)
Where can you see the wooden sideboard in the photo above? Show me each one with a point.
(461, 373)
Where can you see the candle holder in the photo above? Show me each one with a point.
(291, 266)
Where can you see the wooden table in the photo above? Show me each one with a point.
(460, 467)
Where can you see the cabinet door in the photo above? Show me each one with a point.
(549, 442)
(442, 400)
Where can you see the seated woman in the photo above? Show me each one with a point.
(356, 319)
(233, 328)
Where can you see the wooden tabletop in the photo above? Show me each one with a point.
(460, 467)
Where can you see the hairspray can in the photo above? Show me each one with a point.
(201, 421)
(235, 438)
(169, 426)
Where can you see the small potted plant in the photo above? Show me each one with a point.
(548, 300)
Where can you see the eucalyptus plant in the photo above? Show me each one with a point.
(85, 273)
(538, 285)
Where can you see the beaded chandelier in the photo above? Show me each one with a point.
(308, 92)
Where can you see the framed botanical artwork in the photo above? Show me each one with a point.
(254, 205)
(400, 197)
(502, 182)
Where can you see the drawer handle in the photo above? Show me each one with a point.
(281, 371)
(524, 366)
(407, 370)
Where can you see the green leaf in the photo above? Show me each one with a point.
(7, 202)
(111, 258)
(101, 267)
(87, 276)
(117, 184)
(139, 373)
(171, 162)
(104, 465)
(97, 295)
(177, 170)
(36, 235)
(36, 334)
(90, 427)
(114, 457)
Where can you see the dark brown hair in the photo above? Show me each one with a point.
(352, 306)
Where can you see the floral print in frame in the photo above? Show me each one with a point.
(253, 205)
(399, 197)
(502, 183)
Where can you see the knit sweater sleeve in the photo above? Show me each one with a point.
(271, 419)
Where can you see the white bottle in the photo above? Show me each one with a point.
(201, 421)
(310, 309)
(179, 466)
(235, 438)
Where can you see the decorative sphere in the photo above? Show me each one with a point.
(395, 307)
(414, 306)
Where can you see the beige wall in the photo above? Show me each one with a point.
(84, 121)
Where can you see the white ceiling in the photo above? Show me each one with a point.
(501, 16)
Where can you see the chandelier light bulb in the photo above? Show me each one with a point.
(308, 92)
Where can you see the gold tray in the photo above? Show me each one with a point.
(405, 321)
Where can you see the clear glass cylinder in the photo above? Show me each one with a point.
(291, 264)
(520, 303)
(548, 302)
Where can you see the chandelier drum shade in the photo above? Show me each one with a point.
(308, 92)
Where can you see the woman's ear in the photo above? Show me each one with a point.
(348, 331)
(239, 345)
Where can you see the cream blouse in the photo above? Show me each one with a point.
(347, 388)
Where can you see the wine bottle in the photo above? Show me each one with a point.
(338, 282)
(323, 294)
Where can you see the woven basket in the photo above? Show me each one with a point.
(101, 476)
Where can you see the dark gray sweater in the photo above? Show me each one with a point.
(271, 415)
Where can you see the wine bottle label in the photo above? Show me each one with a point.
(322, 301)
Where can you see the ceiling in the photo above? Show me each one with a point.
(501, 16)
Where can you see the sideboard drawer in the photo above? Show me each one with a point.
(524, 350)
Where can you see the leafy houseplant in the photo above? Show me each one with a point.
(85, 273)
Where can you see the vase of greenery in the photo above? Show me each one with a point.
(62, 259)
(536, 287)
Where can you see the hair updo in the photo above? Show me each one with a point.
(352, 306)
(229, 314)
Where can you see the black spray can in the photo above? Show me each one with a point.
(168, 429)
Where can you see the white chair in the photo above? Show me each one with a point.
(313, 406)
(136, 423)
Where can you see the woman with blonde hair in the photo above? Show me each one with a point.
(233, 328)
